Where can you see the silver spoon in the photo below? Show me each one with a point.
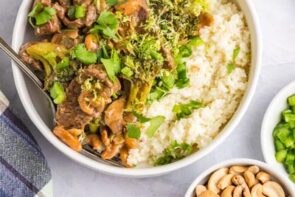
(86, 151)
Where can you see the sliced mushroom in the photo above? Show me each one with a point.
(131, 142)
(272, 189)
(256, 191)
(114, 115)
(200, 189)
(237, 169)
(215, 177)
(263, 177)
(228, 192)
(225, 181)
(250, 178)
(208, 193)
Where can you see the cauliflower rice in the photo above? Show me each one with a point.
(209, 82)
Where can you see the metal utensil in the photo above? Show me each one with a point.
(86, 151)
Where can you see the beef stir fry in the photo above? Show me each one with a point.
(109, 59)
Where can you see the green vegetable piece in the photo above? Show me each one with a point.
(133, 131)
(57, 93)
(156, 94)
(185, 51)
(290, 168)
(184, 110)
(80, 11)
(112, 2)
(112, 65)
(86, 57)
(230, 67)
(281, 155)
(182, 79)
(292, 177)
(51, 58)
(45, 16)
(236, 53)
(291, 100)
(282, 133)
(293, 109)
(290, 158)
(107, 24)
(64, 63)
(174, 152)
(71, 12)
(37, 8)
(141, 118)
(289, 142)
(127, 72)
(155, 123)
(279, 145)
(94, 126)
(289, 117)
(168, 80)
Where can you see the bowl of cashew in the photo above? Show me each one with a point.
(241, 178)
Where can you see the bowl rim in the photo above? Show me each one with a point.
(240, 161)
(22, 90)
(270, 158)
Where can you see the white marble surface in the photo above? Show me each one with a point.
(70, 179)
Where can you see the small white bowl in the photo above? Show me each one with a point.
(271, 118)
(203, 178)
(37, 108)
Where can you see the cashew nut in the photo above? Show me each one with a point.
(208, 193)
(263, 177)
(200, 189)
(253, 169)
(238, 191)
(256, 191)
(272, 189)
(250, 178)
(228, 192)
(237, 169)
(215, 177)
(240, 181)
(225, 181)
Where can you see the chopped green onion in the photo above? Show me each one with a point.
(155, 123)
(236, 53)
(64, 63)
(86, 57)
(168, 80)
(230, 67)
(291, 100)
(281, 155)
(44, 16)
(184, 110)
(133, 131)
(112, 65)
(57, 93)
(80, 11)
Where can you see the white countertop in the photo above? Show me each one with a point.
(278, 69)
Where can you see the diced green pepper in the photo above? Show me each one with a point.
(281, 155)
(80, 11)
(57, 93)
(289, 117)
(292, 177)
(282, 133)
(291, 100)
(279, 145)
(289, 142)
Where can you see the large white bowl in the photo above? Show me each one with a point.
(203, 178)
(38, 111)
(271, 119)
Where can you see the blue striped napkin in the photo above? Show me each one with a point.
(23, 169)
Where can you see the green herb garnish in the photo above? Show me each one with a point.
(155, 123)
(112, 65)
(41, 14)
(107, 23)
(57, 93)
(174, 152)
(231, 66)
(86, 57)
(184, 110)
(133, 131)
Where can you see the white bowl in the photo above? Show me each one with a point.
(271, 119)
(203, 178)
(38, 111)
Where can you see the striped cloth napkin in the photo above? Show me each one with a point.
(23, 169)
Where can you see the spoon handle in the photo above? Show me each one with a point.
(13, 55)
